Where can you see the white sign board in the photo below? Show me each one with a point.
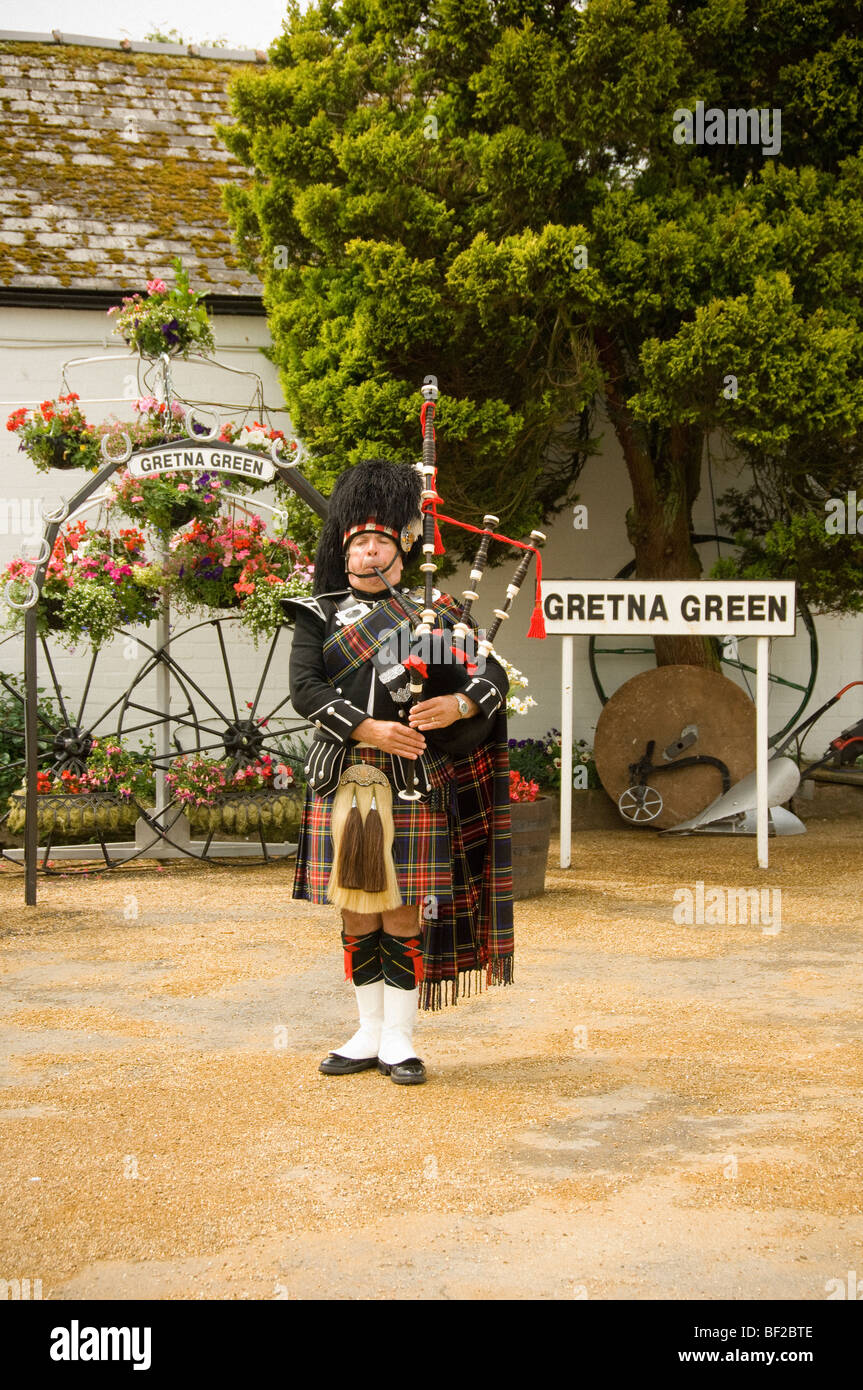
(189, 455)
(668, 607)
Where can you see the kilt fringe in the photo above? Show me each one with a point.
(437, 994)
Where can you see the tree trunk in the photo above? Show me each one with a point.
(664, 466)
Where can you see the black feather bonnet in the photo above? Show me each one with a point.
(374, 491)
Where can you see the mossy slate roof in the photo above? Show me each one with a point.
(112, 166)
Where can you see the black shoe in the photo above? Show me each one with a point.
(410, 1072)
(334, 1064)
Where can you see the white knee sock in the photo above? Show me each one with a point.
(400, 1014)
(365, 1041)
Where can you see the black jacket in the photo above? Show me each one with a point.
(367, 692)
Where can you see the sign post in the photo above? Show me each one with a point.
(720, 608)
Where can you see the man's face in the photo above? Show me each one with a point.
(369, 551)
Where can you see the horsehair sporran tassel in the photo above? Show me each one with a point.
(359, 787)
(374, 867)
(350, 859)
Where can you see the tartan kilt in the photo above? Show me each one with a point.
(422, 848)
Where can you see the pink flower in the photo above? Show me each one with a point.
(137, 497)
(156, 287)
(182, 487)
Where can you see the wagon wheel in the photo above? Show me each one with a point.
(639, 804)
(68, 727)
(609, 671)
(223, 724)
(240, 716)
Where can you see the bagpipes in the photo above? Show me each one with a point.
(363, 877)
(438, 654)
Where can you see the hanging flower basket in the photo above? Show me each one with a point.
(56, 434)
(172, 321)
(94, 583)
(61, 816)
(233, 563)
(65, 452)
(51, 612)
(273, 813)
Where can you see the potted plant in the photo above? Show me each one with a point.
(94, 583)
(530, 815)
(264, 796)
(541, 758)
(56, 434)
(105, 796)
(165, 320)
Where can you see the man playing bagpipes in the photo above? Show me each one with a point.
(406, 826)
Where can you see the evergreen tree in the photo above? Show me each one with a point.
(503, 194)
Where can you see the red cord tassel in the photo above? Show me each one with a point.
(353, 942)
(438, 543)
(537, 621)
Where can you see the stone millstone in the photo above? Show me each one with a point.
(659, 705)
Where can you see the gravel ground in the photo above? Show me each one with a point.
(652, 1110)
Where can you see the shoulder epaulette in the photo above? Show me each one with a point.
(310, 603)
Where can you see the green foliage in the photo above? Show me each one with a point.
(12, 729)
(493, 192)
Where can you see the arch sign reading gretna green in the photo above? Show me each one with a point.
(184, 454)
(665, 607)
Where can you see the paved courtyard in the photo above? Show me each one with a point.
(652, 1110)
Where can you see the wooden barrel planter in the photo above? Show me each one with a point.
(250, 812)
(531, 834)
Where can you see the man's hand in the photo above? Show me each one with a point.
(390, 736)
(438, 713)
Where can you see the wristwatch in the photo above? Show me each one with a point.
(463, 706)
